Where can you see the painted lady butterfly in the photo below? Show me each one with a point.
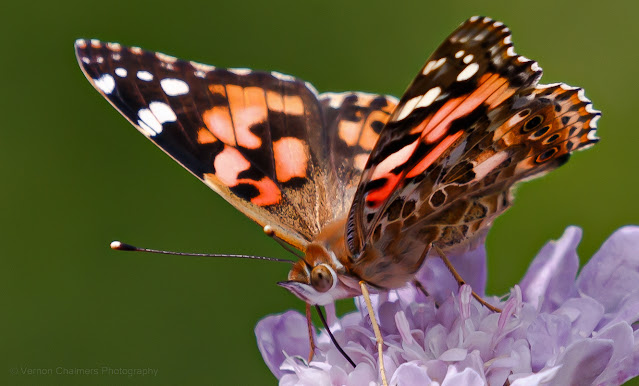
(361, 183)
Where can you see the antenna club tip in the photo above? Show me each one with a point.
(120, 246)
(268, 230)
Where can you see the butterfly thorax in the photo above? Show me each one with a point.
(324, 274)
(329, 271)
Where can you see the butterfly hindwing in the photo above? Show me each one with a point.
(471, 125)
(353, 123)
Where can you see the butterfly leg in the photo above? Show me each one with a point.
(310, 332)
(420, 287)
(378, 334)
(461, 281)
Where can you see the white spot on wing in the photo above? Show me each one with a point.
(240, 71)
(468, 72)
(489, 165)
(428, 67)
(106, 83)
(408, 107)
(121, 72)
(335, 99)
(468, 58)
(149, 123)
(145, 76)
(549, 85)
(163, 112)
(312, 88)
(114, 46)
(481, 35)
(284, 77)
(433, 65)
(429, 97)
(566, 87)
(590, 109)
(174, 87)
(146, 129)
(166, 58)
(202, 67)
(459, 54)
(474, 18)
(582, 96)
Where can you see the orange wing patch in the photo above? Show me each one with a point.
(248, 108)
(230, 163)
(289, 104)
(348, 132)
(205, 137)
(291, 158)
(218, 121)
(432, 156)
(369, 136)
(218, 89)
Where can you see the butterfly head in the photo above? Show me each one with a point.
(318, 279)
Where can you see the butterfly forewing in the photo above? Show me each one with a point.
(263, 141)
(471, 124)
(246, 134)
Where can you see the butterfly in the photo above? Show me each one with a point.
(362, 184)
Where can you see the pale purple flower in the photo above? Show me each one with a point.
(556, 328)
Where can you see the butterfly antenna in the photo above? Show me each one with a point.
(120, 246)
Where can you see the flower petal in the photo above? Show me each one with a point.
(583, 313)
(547, 335)
(410, 374)
(551, 275)
(363, 375)
(438, 280)
(467, 377)
(621, 366)
(583, 361)
(627, 310)
(536, 379)
(613, 271)
(279, 334)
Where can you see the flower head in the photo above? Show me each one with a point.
(555, 327)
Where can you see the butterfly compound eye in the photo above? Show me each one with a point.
(322, 278)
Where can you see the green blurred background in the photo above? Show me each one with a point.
(77, 175)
